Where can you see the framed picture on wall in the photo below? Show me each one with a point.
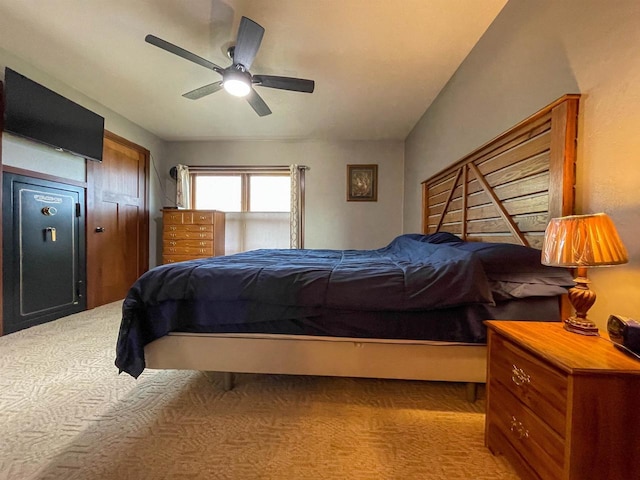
(362, 183)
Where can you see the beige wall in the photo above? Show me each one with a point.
(331, 221)
(533, 53)
(29, 155)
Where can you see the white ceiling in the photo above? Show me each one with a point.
(377, 64)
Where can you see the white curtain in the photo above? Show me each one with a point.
(296, 220)
(183, 194)
(252, 230)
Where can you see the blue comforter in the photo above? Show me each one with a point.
(410, 274)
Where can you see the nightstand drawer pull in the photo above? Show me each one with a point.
(519, 377)
(517, 427)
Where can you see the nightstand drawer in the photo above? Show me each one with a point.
(540, 446)
(534, 383)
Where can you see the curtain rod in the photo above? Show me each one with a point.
(271, 168)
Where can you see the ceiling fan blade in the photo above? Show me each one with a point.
(258, 104)
(248, 42)
(203, 91)
(181, 52)
(285, 83)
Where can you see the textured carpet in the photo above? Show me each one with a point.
(65, 413)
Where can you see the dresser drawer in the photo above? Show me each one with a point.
(539, 445)
(181, 258)
(188, 228)
(188, 217)
(186, 235)
(175, 217)
(202, 218)
(195, 243)
(534, 383)
(181, 250)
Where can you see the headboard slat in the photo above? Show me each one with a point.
(506, 218)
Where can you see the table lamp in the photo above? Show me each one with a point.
(582, 241)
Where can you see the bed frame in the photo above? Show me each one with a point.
(505, 191)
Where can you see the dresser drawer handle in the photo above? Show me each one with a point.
(519, 377)
(518, 427)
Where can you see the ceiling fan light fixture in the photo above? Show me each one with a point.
(236, 79)
(237, 83)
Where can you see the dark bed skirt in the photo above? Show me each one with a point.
(459, 324)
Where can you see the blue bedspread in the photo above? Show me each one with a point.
(410, 274)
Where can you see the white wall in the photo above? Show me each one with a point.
(533, 53)
(331, 221)
(32, 156)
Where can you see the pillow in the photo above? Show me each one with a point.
(440, 237)
(509, 262)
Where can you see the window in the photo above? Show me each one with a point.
(242, 192)
(257, 202)
(217, 192)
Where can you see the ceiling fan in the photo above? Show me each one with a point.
(236, 78)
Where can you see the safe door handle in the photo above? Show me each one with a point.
(53, 233)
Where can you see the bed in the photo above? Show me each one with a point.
(504, 192)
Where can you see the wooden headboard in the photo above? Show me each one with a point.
(508, 189)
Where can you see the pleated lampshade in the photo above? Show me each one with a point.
(582, 241)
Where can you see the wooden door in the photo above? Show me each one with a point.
(117, 220)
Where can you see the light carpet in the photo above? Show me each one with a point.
(65, 413)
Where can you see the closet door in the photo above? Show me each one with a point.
(117, 220)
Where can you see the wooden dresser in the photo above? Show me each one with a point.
(189, 234)
(562, 405)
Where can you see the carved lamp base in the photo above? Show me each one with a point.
(577, 325)
(582, 298)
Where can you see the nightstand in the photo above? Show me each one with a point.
(561, 405)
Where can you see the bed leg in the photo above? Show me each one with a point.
(227, 381)
(472, 392)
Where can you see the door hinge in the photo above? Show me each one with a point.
(77, 209)
(79, 289)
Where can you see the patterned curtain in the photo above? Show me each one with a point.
(183, 195)
(297, 199)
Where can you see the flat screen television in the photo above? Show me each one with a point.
(33, 111)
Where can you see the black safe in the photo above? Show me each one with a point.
(44, 260)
